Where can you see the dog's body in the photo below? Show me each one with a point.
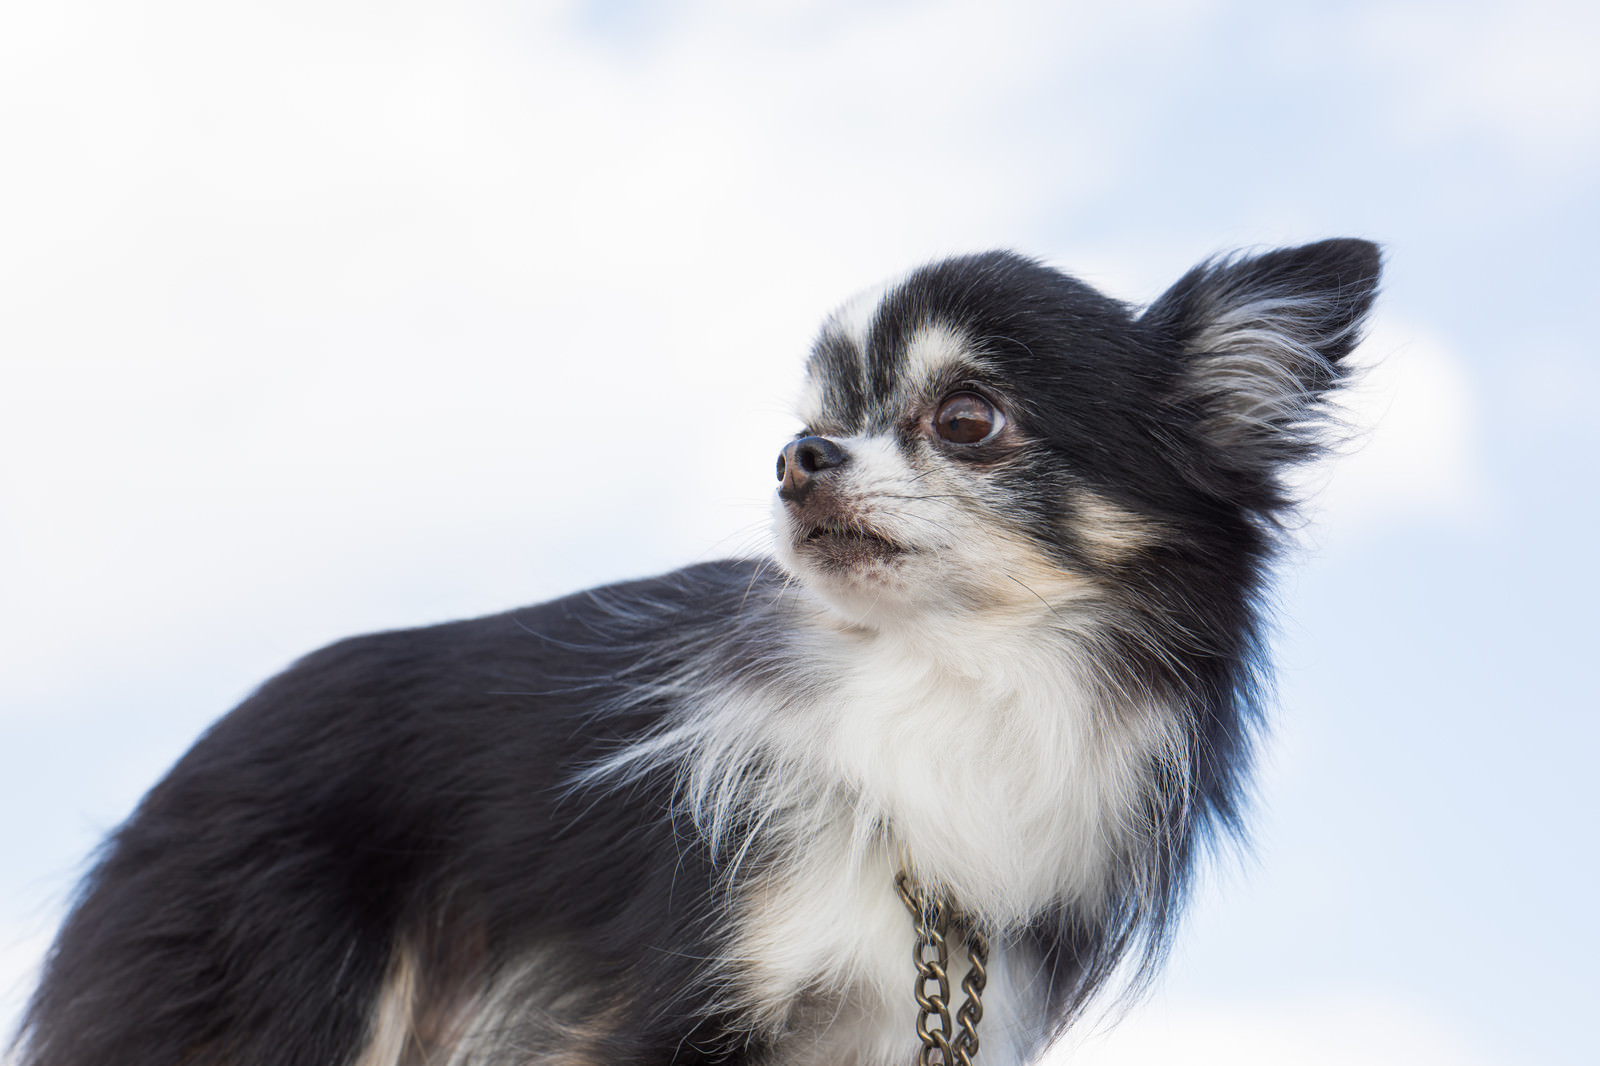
(1012, 654)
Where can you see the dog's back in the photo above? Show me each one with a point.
(388, 819)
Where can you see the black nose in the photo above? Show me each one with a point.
(800, 460)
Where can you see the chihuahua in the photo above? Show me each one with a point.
(920, 783)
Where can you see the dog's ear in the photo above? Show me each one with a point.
(1262, 338)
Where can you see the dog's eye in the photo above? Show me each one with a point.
(967, 418)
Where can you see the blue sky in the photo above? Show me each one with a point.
(319, 318)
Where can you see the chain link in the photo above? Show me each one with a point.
(933, 921)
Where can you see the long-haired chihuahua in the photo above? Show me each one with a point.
(918, 786)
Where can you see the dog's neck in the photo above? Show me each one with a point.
(993, 757)
(993, 769)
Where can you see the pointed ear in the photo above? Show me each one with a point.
(1263, 337)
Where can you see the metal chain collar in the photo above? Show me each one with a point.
(933, 921)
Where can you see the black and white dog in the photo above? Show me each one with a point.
(1010, 657)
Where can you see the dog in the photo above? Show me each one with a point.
(920, 784)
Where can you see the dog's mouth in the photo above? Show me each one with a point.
(844, 546)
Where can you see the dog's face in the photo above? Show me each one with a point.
(939, 469)
(991, 438)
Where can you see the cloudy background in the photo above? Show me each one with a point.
(320, 317)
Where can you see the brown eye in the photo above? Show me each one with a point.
(967, 418)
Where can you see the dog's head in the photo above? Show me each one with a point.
(991, 437)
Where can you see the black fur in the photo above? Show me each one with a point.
(402, 781)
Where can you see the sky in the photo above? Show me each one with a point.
(319, 318)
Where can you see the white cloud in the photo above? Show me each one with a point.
(1414, 451)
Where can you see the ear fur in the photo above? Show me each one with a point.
(1263, 337)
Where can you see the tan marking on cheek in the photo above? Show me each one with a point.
(1109, 533)
(998, 568)
(1025, 580)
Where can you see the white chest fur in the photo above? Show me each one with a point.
(1004, 782)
